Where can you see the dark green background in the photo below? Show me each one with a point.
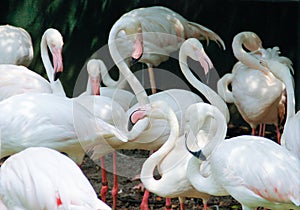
(85, 26)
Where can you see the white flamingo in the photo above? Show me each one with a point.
(16, 79)
(15, 46)
(290, 136)
(259, 96)
(174, 182)
(240, 167)
(156, 32)
(96, 68)
(47, 120)
(42, 178)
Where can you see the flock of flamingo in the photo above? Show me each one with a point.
(46, 134)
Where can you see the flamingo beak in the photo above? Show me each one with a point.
(138, 49)
(135, 116)
(57, 62)
(205, 62)
(95, 86)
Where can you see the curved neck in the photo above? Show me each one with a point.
(155, 159)
(287, 79)
(211, 95)
(244, 57)
(56, 86)
(134, 83)
(110, 82)
(207, 184)
(203, 184)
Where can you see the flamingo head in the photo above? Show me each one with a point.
(55, 44)
(252, 42)
(93, 69)
(194, 49)
(135, 29)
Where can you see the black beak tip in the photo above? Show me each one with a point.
(57, 75)
(133, 61)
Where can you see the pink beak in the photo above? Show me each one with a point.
(138, 48)
(95, 86)
(204, 61)
(57, 62)
(137, 115)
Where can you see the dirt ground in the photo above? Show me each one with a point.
(130, 199)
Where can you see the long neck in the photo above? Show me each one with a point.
(56, 86)
(110, 82)
(201, 183)
(287, 79)
(207, 184)
(211, 95)
(154, 160)
(246, 58)
(134, 83)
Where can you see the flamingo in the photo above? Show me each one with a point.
(259, 96)
(47, 120)
(157, 133)
(96, 68)
(42, 178)
(171, 159)
(156, 32)
(15, 46)
(290, 135)
(165, 157)
(16, 79)
(240, 167)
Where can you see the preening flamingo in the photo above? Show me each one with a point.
(16, 79)
(155, 32)
(47, 120)
(290, 136)
(15, 46)
(258, 96)
(240, 167)
(42, 178)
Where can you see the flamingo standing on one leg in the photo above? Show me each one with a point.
(42, 178)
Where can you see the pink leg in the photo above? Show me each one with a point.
(278, 134)
(260, 130)
(104, 187)
(168, 204)
(263, 129)
(144, 204)
(182, 207)
(152, 79)
(205, 206)
(253, 132)
(115, 187)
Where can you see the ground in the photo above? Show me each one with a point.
(130, 199)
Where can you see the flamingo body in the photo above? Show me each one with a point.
(16, 79)
(31, 120)
(240, 167)
(15, 46)
(42, 178)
